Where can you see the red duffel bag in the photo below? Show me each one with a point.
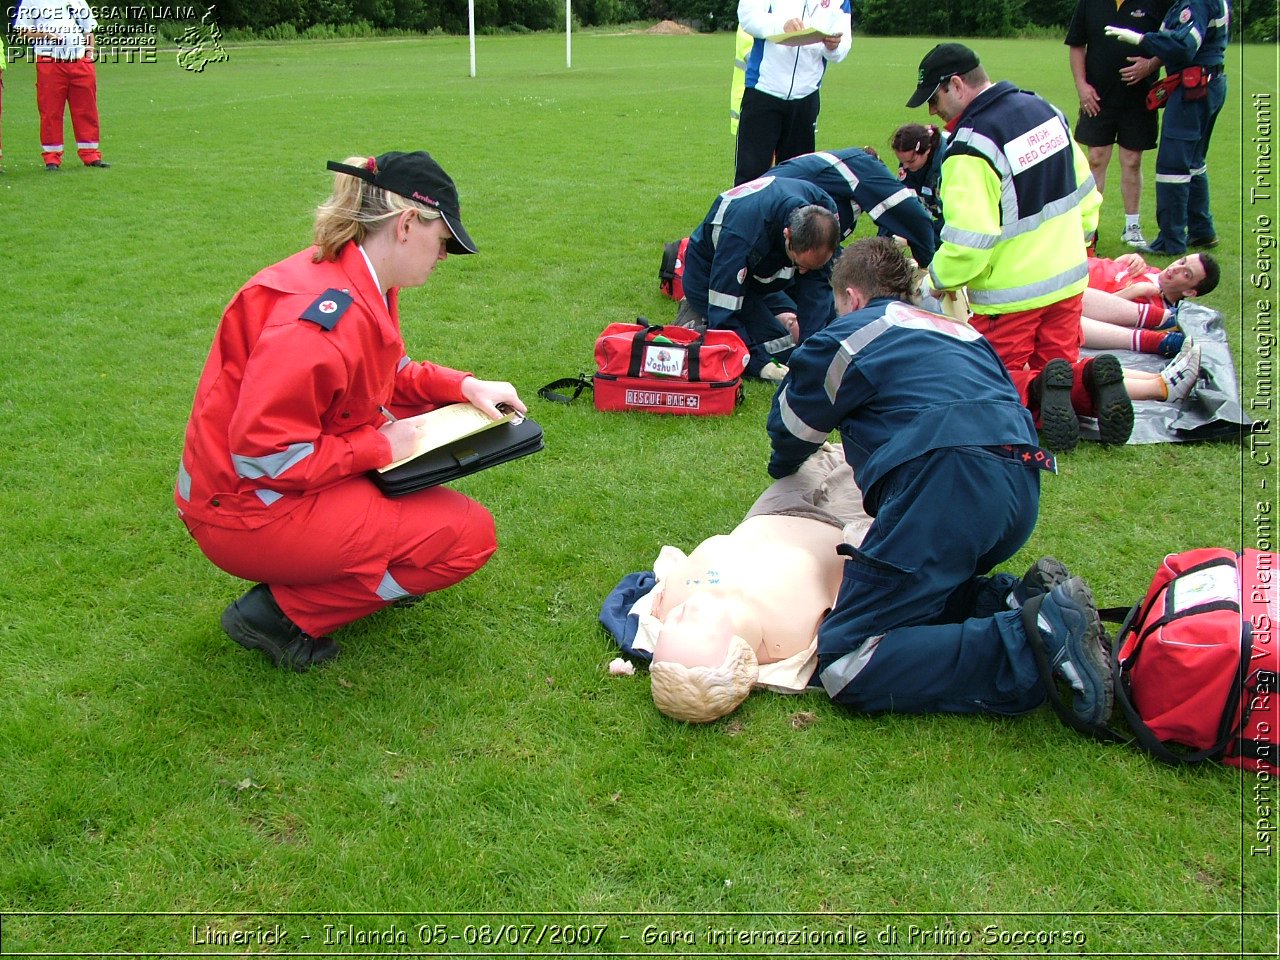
(666, 369)
(1196, 661)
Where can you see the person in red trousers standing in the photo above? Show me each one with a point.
(61, 37)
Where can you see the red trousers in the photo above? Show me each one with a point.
(63, 83)
(1028, 339)
(349, 551)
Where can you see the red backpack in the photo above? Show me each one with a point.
(1195, 663)
(671, 272)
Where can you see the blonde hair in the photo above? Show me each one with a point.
(703, 694)
(355, 209)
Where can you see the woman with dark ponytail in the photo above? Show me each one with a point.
(920, 150)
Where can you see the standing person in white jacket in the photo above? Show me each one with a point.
(778, 116)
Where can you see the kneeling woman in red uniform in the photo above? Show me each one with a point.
(296, 403)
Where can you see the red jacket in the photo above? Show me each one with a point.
(1105, 275)
(287, 406)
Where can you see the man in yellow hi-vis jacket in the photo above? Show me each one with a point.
(1020, 203)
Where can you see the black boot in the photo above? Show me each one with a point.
(1050, 394)
(257, 622)
(1104, 379)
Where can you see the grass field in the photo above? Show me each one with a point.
(470, 761)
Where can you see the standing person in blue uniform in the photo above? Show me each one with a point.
(1191, 44)
(755, 266)
(920, 150)
(944, 454)
(860, 183)
(298, 401)
(778, 113)
(1113, 110)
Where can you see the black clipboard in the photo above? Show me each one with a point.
(480, 451)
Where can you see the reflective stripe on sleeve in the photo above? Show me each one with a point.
(1031, 290)
(272, 465)
(268, 497)
(969, 238)
(718, 299)
(184, 482)
(797, 427)
(890, 202)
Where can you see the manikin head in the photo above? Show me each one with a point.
(701, 670)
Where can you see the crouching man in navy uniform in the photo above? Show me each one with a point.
(944, 454)
(755, 266)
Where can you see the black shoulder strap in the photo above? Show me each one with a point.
(577, 384)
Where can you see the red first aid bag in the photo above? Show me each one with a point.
(1195, 663)
(661, 369)
(671, 271)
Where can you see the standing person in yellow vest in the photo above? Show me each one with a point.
(778, 109)
(1019, 200)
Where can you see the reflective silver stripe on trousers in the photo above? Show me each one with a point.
(1031, 290)
(1173, 178)
(845, 670)
(389, 590)
(272, 465)
(797, 427)
(1199, 171)
(184, 482)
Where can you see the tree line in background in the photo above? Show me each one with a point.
(1256, 19)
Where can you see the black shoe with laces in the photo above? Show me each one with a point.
(1204, 243)
(256, 621)
(1041, 577)
(1059, 427)
(1104, 380)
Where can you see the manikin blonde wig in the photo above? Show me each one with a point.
(702, 694)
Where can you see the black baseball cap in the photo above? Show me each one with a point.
(418, 177)
(939, 65)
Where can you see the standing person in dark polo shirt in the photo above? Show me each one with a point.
(1113, 107)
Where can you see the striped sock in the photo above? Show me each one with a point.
(1150, 315)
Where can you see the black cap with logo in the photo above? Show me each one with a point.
(418, 177)
(940, 64)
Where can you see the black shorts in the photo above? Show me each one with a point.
(1133, 127)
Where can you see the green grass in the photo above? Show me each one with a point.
(472, 754)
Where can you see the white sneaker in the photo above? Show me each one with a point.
(1182, 373)
(1133, 236)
